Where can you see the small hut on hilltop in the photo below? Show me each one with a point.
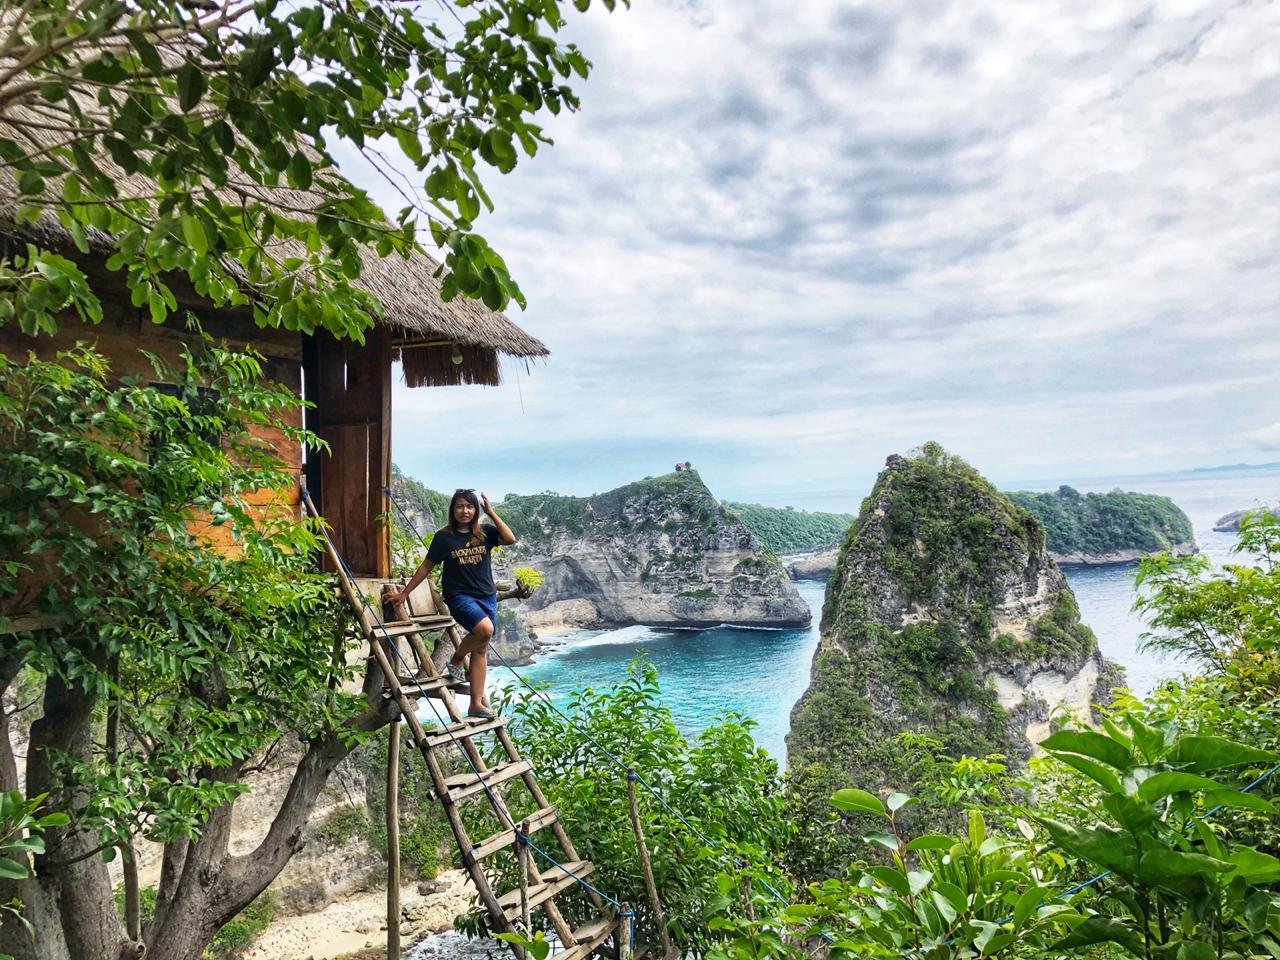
(349, 383)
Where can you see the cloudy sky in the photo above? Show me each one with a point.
(783, 240)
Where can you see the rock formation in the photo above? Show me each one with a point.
(661, 552)
(816, 567)
(1102, 529)
(946, 617)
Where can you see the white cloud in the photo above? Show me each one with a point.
(1266, 438)
(798, 237)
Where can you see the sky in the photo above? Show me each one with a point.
(783, 240)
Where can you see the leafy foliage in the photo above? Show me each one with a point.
(1098, 523)
(722, 784)
(22, 827)
(1218, 620)
(181, 588)
(224, 120)
(786, 530)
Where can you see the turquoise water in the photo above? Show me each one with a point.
(761, 673)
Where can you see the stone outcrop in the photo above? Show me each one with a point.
(945, 616)
(660, 552)
(816, 567)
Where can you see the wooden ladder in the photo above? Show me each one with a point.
(508, 911)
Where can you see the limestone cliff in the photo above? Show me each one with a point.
(661, 552)
(944, 616)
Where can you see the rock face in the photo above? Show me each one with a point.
(661, 552)
(1102, 529)
(944, 616)
(1230, 523)
(816, 567)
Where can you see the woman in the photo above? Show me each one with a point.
(463, 546)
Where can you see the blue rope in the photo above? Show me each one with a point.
(389, 645)
(596, 743)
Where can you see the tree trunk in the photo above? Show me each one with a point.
(70, 900)
(71, 876)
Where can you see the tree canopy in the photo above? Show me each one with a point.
(196, 142)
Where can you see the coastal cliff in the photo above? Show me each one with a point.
(1099, 529)
(944, 616)
(660, 552)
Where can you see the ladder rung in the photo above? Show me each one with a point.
(553, 881)
(503, 839)
(465, 785)
(402, 627)
(415, 687)
(469, 727)
(588, 937)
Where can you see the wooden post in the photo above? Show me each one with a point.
(650, 887)
(522, 852)
(624, 932)
(393, 840)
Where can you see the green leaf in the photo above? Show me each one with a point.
(1101, 845)
(1093, 770)
(1202, 754)
(193, 233)
(897, 801)
(851, 800)
(1255, 866)
(191, 86)
(917, 880)
(1170, 782)
(1239, 800)
(1090, 744)
(931, 841)
(1159, 865)
(30, 183)
(12, 870)
(1102, 930)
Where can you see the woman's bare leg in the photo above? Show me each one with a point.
(476, 645)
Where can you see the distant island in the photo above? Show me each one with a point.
(787, 530)
(1107, 528)
(1230, 523)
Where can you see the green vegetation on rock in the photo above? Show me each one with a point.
(419, 501)
(912, 624)
(786, 530)
(1100, 523)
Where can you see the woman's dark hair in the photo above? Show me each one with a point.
(470, 497)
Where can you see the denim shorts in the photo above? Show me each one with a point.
(469, 610)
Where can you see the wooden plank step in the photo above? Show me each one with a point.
(432, 687)
(553, 881)
(469, 727)
(388, 631)
(588, 937)
(465, 785)
(503, 839)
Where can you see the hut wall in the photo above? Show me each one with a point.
(350, 385)
(124, 332)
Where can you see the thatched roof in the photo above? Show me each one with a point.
(445, 342)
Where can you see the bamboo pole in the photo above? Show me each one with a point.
(651, 888)
(393, 840)
(624, 932)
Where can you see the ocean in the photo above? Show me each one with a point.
(761, 673)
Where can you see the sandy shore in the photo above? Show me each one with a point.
(359, 921)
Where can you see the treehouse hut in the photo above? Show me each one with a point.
(349, 383)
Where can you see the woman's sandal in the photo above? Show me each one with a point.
(483, 713)
(455, 672)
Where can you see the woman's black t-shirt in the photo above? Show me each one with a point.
(467, 568)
